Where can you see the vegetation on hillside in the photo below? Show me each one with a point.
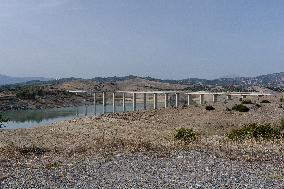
(31, 92)
(247, 102)
(240, 108)
(265, 101)
(185, 134)
(209, 108)
(256, 131)
(3, 120)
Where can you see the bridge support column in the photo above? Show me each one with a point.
(229, 97)
(189, 99)
(134, 101)
(201, 99)
(177, 99)
(155, 101)
(104, 102)
(113, 102)
(95, 104)
(166, 99)
(215, 96)
(145, 101)
(123, 102)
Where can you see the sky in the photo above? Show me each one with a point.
(169, 39)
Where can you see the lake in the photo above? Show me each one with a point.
(32, 118)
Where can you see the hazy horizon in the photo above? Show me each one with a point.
(221, 77)
(161, 39)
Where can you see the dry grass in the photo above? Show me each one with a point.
(151, 130)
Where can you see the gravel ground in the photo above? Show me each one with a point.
(183, 169)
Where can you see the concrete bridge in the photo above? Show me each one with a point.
(166, 96)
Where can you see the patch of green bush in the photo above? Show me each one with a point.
(53, 165)
(265, 101)
(240, 108)
(281, 99)
(209, 108)
(258, 105)
(3, 120)
(256, 131)
(30, 92)
(247, 102)
(185, 134)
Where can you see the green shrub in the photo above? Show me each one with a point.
(53, 165)
(185, 134)
(228, 109)
(281, 99)
(256, 131)
(247, 102)
(265, 101)
(258, 105)
(3, 120)
(240, 108)
(209, 108)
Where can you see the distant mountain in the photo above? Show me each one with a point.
(7, 80)
(269, 80)
(275, 80)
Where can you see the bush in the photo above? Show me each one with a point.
(228, 109)
(53, 165)
(247, 102)
(240, 108)
(209, 108)
(263, 131)
(258, 105)
(3, 120)
(185, 134)
(281, 99)
(265, 101)
(32, 150)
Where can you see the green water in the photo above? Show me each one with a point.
(33, 118)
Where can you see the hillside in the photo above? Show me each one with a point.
(275, 80)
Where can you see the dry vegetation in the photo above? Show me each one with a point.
(152, 130)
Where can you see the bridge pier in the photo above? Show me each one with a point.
(134, 101)
(104, 102)
(229, 97)
(189, 99)
(144, 101)
(215, 96)
(113, 102)
(201, 99)
(177, 99)
(166, 99)
(123, 102)
(95, 104)
(155, 101)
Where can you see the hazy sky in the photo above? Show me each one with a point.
(159, 38)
